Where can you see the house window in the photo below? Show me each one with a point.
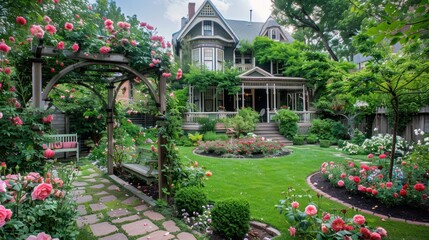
(207, 11)
(208, 58)
(196, 57)
(247, 59)
(273, 34)
(208, 28)
(277, 68)
(220, 59)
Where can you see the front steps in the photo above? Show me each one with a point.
(271, 131)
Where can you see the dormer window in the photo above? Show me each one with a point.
(207, 28)
(273, 34)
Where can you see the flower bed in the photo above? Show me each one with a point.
(376, 144)
(243, 147)
(408, 185)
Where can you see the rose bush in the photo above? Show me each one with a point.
(314, 223)
(37, 206)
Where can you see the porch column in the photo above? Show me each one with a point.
(236, 100)
(190, 98)
(303, 98)
(110, 122)
(268, 105)
(242, 95)
(275, 98)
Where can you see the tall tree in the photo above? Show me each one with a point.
(327, 23)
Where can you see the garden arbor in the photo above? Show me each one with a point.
(121, 71)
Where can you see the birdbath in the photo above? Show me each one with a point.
(230, 132)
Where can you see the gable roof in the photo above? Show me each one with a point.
(191, 22)
(255, 72)
(245, 30)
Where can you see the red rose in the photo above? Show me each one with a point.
(419, 187)
(337, 225)
(49, 153)
(365, 233)
(403, 192)
(382, 156)
(356, 179)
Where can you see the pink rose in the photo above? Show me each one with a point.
(375, 236)
(359, 219)
(343, 175)
(340, 183)
(325, 229)
(68, 26)
(41, 191)
(326, 216)
(389, 185)
(104, 50)
(3, 186)
(5, 215)
(311, 210)
(49, 153)
(382, 156)
(295, 204)
(292, 231)
(381, 231)
(40, 236)
(75, 47)
(33, 177)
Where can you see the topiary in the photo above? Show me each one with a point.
(230, 218)
(191, 199)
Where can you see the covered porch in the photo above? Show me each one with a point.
(259, 90)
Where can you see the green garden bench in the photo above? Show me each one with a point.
(145, 168)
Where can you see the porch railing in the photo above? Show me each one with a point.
(192, 117)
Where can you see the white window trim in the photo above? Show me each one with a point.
(202, 27)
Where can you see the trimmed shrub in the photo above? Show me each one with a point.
(328, 129)
(288, 122)
(207, 124)
(312, 139)
(298, 140)
(231, 218)
(192, 199)
(325, 143)
(244, 122)
(195, 138)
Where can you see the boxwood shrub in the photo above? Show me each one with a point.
(325, 143)
(192, 199)
(298, 140)
(230, 218)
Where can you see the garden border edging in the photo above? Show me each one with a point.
(362, 210)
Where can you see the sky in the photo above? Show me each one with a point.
(165, 15)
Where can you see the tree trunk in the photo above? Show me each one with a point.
(395, 103)
(326, 44)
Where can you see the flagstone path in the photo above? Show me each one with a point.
(109, 212)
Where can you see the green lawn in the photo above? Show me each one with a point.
(261, 182)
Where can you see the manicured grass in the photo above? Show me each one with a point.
(262, 181)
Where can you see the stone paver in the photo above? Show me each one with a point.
(141, 207)
(102, 193)
(113, 187)
(98, 186)
(118, 213)
(79, 184)
(117, 236)
(108, 198)
(158, 235)
(97, 207)
(171, 226)
(92, 180)
(101, 229)
(104, 180)
(88, 219)
(139, 227)
(83, 199)
(78, 192)
(153, 215)
(185, 236)
(130, 201)
(126, 219)
(81, 209)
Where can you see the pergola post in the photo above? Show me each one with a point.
(110, 123)
(162, 141)
(36, 71)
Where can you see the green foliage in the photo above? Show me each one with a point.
(212, 136)
(328, 129)
(195, 138)
(207, 124)
(191, 199)
(325, 143)
(358, 137)
(203, 78)
(230, 218)
(298, 140)
(288, 122)
(311, 139)
(244, 122)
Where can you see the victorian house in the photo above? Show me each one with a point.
(212, 41)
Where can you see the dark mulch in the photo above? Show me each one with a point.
(253, 156)
(364, 202)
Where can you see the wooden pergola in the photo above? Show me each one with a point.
(115, 63)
